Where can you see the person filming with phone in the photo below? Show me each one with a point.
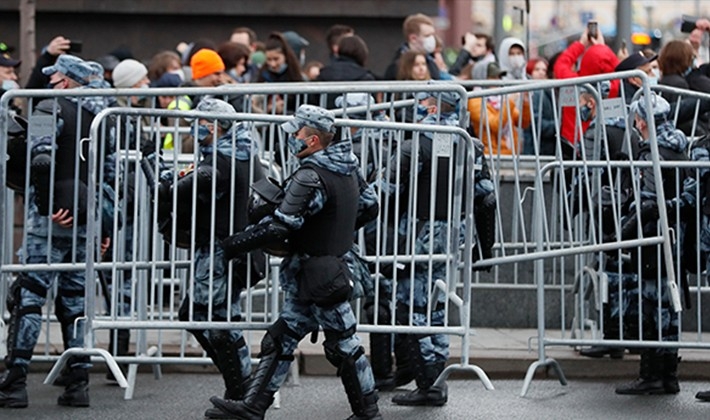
(596, 58)
(50, 53)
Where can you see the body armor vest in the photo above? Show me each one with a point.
(330, 232)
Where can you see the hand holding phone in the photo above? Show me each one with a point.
(75, 46)
(468, 41)
(592, 30)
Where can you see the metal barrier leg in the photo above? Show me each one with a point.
(157, 369)
(110, 362)
(132, 372)
(277, 400)
(294, 375)
(441, 380)
(538, 364)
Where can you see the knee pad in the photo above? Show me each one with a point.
(332, 352)
(272, 343)
(18, 311)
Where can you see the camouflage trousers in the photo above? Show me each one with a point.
(69, 302)
(212, 300)
(303, 319)
(417, 295)
(658, 320)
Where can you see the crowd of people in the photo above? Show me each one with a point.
(328, 198)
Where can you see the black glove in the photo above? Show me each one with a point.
(648, 212)
(234, 245)
(40, 177)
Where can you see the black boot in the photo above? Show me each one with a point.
(381, 347)
(611, 332)
(253, 407)
(405, 372)
(649, 381)
(426, 393)
(368, 410)
(598, 352)
(381, 361)
(63, 378)
(703, 396)
(230, 365)
(76, 392)
(123, 338)
(670, 373)
(256, 397)
(13, 387)
(364, 406)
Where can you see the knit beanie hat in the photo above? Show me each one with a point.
(205, 62)
(128, 72)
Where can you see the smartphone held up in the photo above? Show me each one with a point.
(592, 29)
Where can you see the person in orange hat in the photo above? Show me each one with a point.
(207, 68)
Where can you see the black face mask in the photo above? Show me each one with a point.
(51, 85)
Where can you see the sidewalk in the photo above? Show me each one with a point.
(501, 353)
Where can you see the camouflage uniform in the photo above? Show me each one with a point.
(213, 296)
(319, 194)
(50, 243)
(658, 371)
(415, 285)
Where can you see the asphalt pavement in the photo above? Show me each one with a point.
(185, 396)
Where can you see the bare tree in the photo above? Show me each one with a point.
(27, 38)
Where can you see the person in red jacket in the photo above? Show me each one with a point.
(597, 58)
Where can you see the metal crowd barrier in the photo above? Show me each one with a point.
(139, 262)
(538, 227)
(568, 226)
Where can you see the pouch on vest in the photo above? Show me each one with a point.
(324, 281)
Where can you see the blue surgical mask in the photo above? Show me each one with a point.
(422, 112)
(296, 145)
(585, 113)
(687, 71)
(9, 85)
(202, 133)
(282, 69)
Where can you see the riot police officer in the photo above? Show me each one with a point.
(428, 352)
(225, 148)
(56, 230)
(325, 200)
(658, 367)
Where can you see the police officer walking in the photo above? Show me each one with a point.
(225, 149)
(658, 368)
(325, 200)
(56, 230)
(429, 352)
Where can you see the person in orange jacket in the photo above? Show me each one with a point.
(500, 137)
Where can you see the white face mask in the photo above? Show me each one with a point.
(429, 44)
(9, 85)
(179, 72)
(516, 61)
(656, 73)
